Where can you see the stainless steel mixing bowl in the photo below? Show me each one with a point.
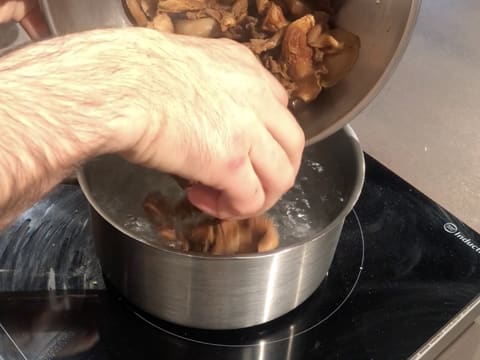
(384, 27)
(223, 292)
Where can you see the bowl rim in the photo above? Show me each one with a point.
(382, 80)
(337, 221)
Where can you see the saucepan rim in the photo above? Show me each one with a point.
(348, 207)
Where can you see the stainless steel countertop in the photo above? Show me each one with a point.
(425, 124)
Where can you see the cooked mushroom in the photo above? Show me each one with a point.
(280, 71)
(161, 22)
(297, 8)
(224, 18)
(318, 55)
(264, 233)
(259, 46)
(296, 53)
(308, 88)
(240, 10)
(339, 64)
(274, 19)
(237, 33)
(227, 240)
(149, 7)
(318, 39)
(252, 28)
(328, 6)
(180, 6)
(204, 27)
(157, 209)
(137, 12)
(222, 237)
(296, 40)
(322, 19)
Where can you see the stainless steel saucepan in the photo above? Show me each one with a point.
(223, 292)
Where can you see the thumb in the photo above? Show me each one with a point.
(15, 9)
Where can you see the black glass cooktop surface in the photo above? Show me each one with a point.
(404, 267)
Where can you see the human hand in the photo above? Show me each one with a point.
(15, 10)
(27, 13)
(216, 116)
(203, 109)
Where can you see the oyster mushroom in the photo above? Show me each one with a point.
(318, 55)
(149, 7)
(259, 46)
(237, 33)
(280, 71)
(158, 209)
(322, 19)
(203, 27)
(274, 19)
(340, 63)
(180, 6)
(322, 40)
(187, 225)
(251, 28)
(225, 19)
(228, 238)
(308, 88)
(137, 12)
(329, 6)
(264, 234)
(296, 40)
(262, 6)
(226, 16)
(297, 8)
(161, 22)
(296, 53)
(240, 10)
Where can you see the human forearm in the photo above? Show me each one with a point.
(55, 111)
(36, 153)
(203, 109)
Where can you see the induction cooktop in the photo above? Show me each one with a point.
(404, 282)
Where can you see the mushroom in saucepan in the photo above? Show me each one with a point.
(198, 232)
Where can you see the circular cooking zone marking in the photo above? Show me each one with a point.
(332, 294)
